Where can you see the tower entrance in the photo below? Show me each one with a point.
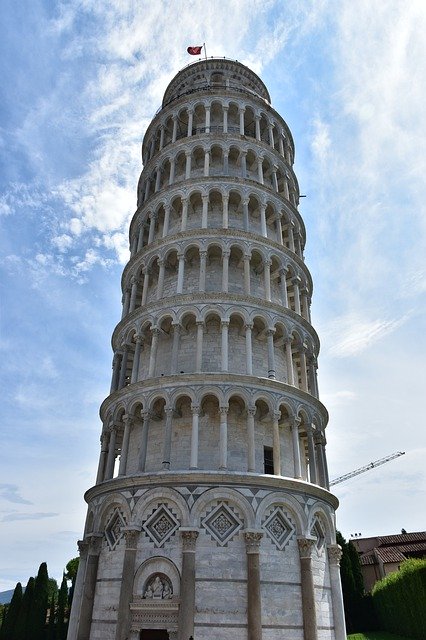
(154, 634)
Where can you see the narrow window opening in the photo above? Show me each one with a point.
(268, 460)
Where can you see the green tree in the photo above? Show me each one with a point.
(62, 626)
(38, 609)
(51, 629)
(71, 574)
(23, 624)
(8, 628)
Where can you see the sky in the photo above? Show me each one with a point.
(81, 81)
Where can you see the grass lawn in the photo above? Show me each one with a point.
(376, 635)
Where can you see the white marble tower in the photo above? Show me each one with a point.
(211, 515)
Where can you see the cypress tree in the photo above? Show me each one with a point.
(38, 610)
(61, 628)
(23, 625)
(51, 630)
(7, 630)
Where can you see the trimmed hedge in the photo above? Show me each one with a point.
(400, 600)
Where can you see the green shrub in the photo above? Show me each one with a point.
(399, 600)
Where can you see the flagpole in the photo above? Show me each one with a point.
(205, 50)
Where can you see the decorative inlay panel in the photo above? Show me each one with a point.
(114, 528)
(161, 525)
(222, 524)
(278, 528)
(317, 532)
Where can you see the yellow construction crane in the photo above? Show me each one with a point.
(367, 467)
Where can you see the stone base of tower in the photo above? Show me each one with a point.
(208, 555)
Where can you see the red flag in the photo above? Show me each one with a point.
(194, 51)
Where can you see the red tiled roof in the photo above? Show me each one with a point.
(368, 558)
(402, 538)
(390, 555)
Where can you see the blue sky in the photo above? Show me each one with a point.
(80, 82)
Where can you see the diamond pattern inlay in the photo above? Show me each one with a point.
(113, 529)
(222, 524)
(318, 532)
(278, 528)
(161, 525)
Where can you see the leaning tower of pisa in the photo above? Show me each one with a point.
(211, 515)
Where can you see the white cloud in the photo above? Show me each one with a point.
(351, 334)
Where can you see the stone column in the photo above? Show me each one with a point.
(247, 274)
(291, 237)
(167, 444)
(146, 191)
(166, 220)
(181, 272)
(174, 133)
(296, 448)
(311, 453)
(89, 587)
(172, 170)
(187, 165)
(202, 281)
(225, 119)
(187, 585)
(267, 275)
(153, 218)
(208, 119)
(175, 347)
(246, 221)
(274, 177)
(225, 214)
(160, 283)
(131, 534)
(153, 352)
(199, 352)
(319, 458)
(193, 464)
(254, 602)
(184, 214)
(125, 445)
(145, 286)
(249, 353)
(134, 282)
(271, 354)
(102, 457)
(126, 302)
(284, 297)
(157, 180)
(206, 163)
(241, 112)
(281, 144)
(303, 369)
(161, 137)
(136, 360)
(263, 229)
(295, 282)
(257, 124)
(83, 547)
(226, 162)
(144, 441)
(305, 304)
(271, 134)
(116, 365)
(140, 237)
(123, 369)
(225, 271)
(223, 438)
(243, 155)
(224, 348)
(190, 122)
(109, 471)
(307, 586)
(289, 362)
(260, 169)
(251, 449)
(279, 229)
(276, 446)
(334, 556)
